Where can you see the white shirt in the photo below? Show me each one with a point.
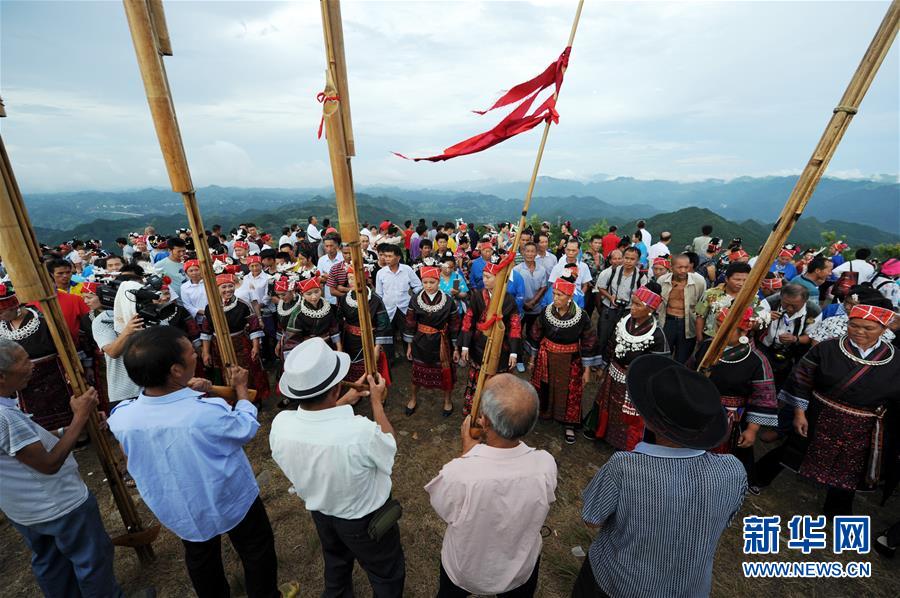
(119, 385)
(494, 502)
(584, 273)
(312, 234)
(865, 352)
(324, 266)
(27, 496)
(394, 287)
(193, 297)
(865, 269)
(340, 464)
(786, 324)
(646, 237)
(656, 250)
(258, 287)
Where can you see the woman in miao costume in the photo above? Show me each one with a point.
(564, 348)
(432, 325)
(245, 331)
(744, 378)
(472, 339)
(313, 316)
(843, 391)
(638, 333)
(351, 334)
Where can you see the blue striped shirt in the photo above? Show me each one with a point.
(661, 512)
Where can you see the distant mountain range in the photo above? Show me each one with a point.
(872, 202)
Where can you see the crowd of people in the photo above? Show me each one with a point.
(809, 369)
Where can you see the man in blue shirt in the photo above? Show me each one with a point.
(783, 266)
(476, 282)
(817, 272)
(185, 453)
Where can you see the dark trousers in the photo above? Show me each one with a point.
(253, 540)
(397, 325)
(448, 589)
(837, 500)
(585, 584)
(267, 346)
(72, 555)
(346, 540)
(606, 326)
(681, 346)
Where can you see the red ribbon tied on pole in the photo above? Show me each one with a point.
(488, 322)
(519, 120)
(322, 98)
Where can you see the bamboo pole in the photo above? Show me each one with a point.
(809, 178)
(339, 135)
(22, 258)
(493, 346)
(146, 22)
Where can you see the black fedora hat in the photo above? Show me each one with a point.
(680, 404)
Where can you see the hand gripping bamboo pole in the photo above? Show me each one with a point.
(494, 344)
(339, 135)
(147, 24)
(809, 178)
(22, 258)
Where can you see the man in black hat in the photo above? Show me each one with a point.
(662, 507)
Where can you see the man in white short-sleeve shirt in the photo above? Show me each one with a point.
(340, 465)
(44, 497)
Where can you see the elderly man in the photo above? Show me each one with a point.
(185, 452)
(340, 465)
(495, 498)
(43, 496)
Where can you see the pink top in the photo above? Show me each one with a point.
(494, 502)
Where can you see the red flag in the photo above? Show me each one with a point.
(517, 121)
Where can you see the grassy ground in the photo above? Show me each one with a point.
(426, 442)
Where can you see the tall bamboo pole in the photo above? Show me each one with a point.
(494, 344)
(22, 257)
(809, 178)
(339, 134)
(147, 24)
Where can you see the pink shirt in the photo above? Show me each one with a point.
(494, 502)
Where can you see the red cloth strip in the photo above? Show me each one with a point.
(518, 121)
(322, 98)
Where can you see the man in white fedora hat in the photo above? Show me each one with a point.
(340, 465)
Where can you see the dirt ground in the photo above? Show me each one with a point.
(426, 442)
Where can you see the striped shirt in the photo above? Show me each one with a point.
(661, 512)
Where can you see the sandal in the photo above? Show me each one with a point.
(569, 435)
(410, 410)
(447, 412)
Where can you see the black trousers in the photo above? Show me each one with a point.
(837, 500)
(346, 540)
(253, 540)
(606, 326)
(586, 584)
(397, 325)
(679, 344)
(448, 589)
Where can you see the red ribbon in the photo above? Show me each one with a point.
(518, 121)
(322, 98)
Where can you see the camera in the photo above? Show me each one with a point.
(106, 292)
(145, 302)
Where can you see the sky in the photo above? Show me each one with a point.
(673, 90)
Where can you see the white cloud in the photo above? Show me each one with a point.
(675, 89)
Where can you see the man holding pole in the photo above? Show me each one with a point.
(185, 453)
(43, 496)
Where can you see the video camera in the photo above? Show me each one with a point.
(145, 302)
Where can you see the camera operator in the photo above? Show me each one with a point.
(112, 342)
(786, 340)
(615, 285)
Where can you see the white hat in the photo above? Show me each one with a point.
(365, 233)
(312, 368)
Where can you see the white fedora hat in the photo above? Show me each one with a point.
(312, 368)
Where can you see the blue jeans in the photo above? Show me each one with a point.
(72, 555)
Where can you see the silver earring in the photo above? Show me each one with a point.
(744, 340)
